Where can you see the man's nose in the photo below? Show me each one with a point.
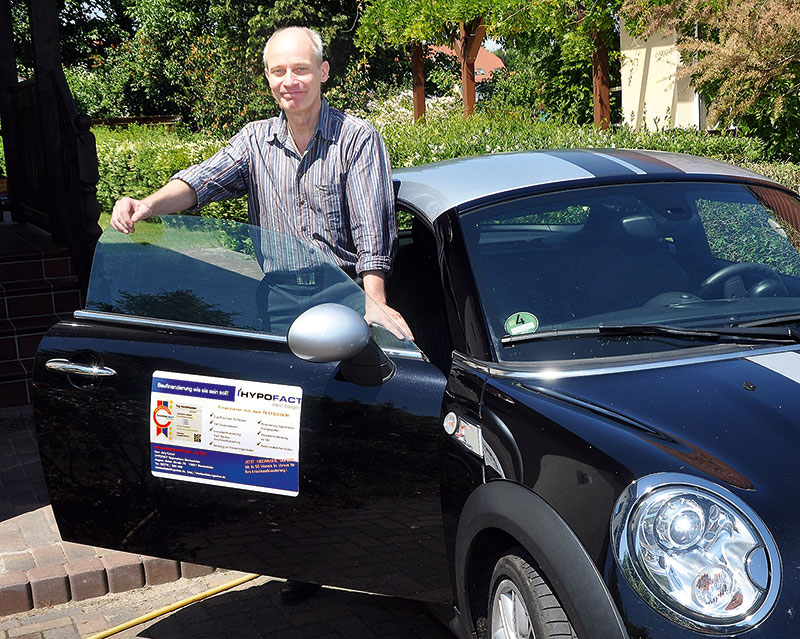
(289, 78)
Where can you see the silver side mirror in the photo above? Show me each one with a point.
(331, 333)
(328, 333)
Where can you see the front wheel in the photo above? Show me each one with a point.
(521, 604)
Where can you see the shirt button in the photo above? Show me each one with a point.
(302, 228)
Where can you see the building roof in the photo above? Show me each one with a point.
(436, 188)
(486, 62)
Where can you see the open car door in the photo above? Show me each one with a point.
(174, 420)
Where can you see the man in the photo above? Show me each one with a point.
(313, 173)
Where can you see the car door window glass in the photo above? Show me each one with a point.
(212, 272)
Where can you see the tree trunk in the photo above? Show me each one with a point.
(418, 79)
(601, 83)
(467, 44)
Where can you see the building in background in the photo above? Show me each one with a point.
(653, 96)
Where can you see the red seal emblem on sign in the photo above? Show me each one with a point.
(162, 416)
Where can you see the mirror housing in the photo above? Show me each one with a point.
(332, 332)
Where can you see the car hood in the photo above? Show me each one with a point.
(736, 419)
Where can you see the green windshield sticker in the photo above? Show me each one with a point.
(522, 323)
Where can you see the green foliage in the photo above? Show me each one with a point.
(86, 27)
(542, 75)
(453, 136)
(139, 160)
(96, 92)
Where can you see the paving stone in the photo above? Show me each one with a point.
(91, 624)
(49, 585)
(15, 593)
(18, 561)
(67, 632)
(48, 555)
(124, 571)
(43, 626)
(74, 552)
(194, 570)
(87, 579)
(11, 538)
(160, 571)
(8, 622)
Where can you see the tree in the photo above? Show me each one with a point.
(540, 74)
(462, 25)
(86, 29)
(743, 56)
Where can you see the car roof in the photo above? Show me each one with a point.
(435, 188)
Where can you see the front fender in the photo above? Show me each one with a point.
(520, 513)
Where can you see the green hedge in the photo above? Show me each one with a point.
(138, 160)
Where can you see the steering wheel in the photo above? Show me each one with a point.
(768, 282)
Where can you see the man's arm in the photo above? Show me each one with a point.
(370, 198)
(377, 309)
(174, 196)
(222, 176)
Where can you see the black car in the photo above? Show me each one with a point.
(594, 434)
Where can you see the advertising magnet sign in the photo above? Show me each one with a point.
(225, 432)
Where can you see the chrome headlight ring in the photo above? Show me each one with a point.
(696, 553)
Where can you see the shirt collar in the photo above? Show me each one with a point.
(325, 125)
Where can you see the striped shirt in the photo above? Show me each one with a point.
(337, 195)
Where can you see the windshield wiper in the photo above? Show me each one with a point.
(778, 320)
(780, 334)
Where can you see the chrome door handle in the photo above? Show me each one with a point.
(65, 366)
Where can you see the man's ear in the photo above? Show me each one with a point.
(326, 70)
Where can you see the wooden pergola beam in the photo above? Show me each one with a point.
(467, 45)
(418, 79)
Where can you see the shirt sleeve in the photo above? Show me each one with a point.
(223, 176)
(370, 200)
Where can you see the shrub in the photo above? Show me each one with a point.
(138, 160)
(486, 132)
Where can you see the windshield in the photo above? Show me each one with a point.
(214, 272)
(690, 255)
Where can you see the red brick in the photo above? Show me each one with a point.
(49, 586)
(194, 570)
(87, 579)
(15, 593)
(160, 571)
(124, 571)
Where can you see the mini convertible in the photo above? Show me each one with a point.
(594, 434)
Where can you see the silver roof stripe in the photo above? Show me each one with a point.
(622, 162)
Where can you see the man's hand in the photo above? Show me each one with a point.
(377, 310)
(174, 196)
(127, 212)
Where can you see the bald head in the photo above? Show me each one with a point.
(295, 33)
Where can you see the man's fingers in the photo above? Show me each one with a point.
(397, 326)
(403, 326)
(124, 214)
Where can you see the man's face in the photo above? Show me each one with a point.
(294, 75)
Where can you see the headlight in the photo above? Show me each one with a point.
(696, 553)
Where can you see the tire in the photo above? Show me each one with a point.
(521, 604)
